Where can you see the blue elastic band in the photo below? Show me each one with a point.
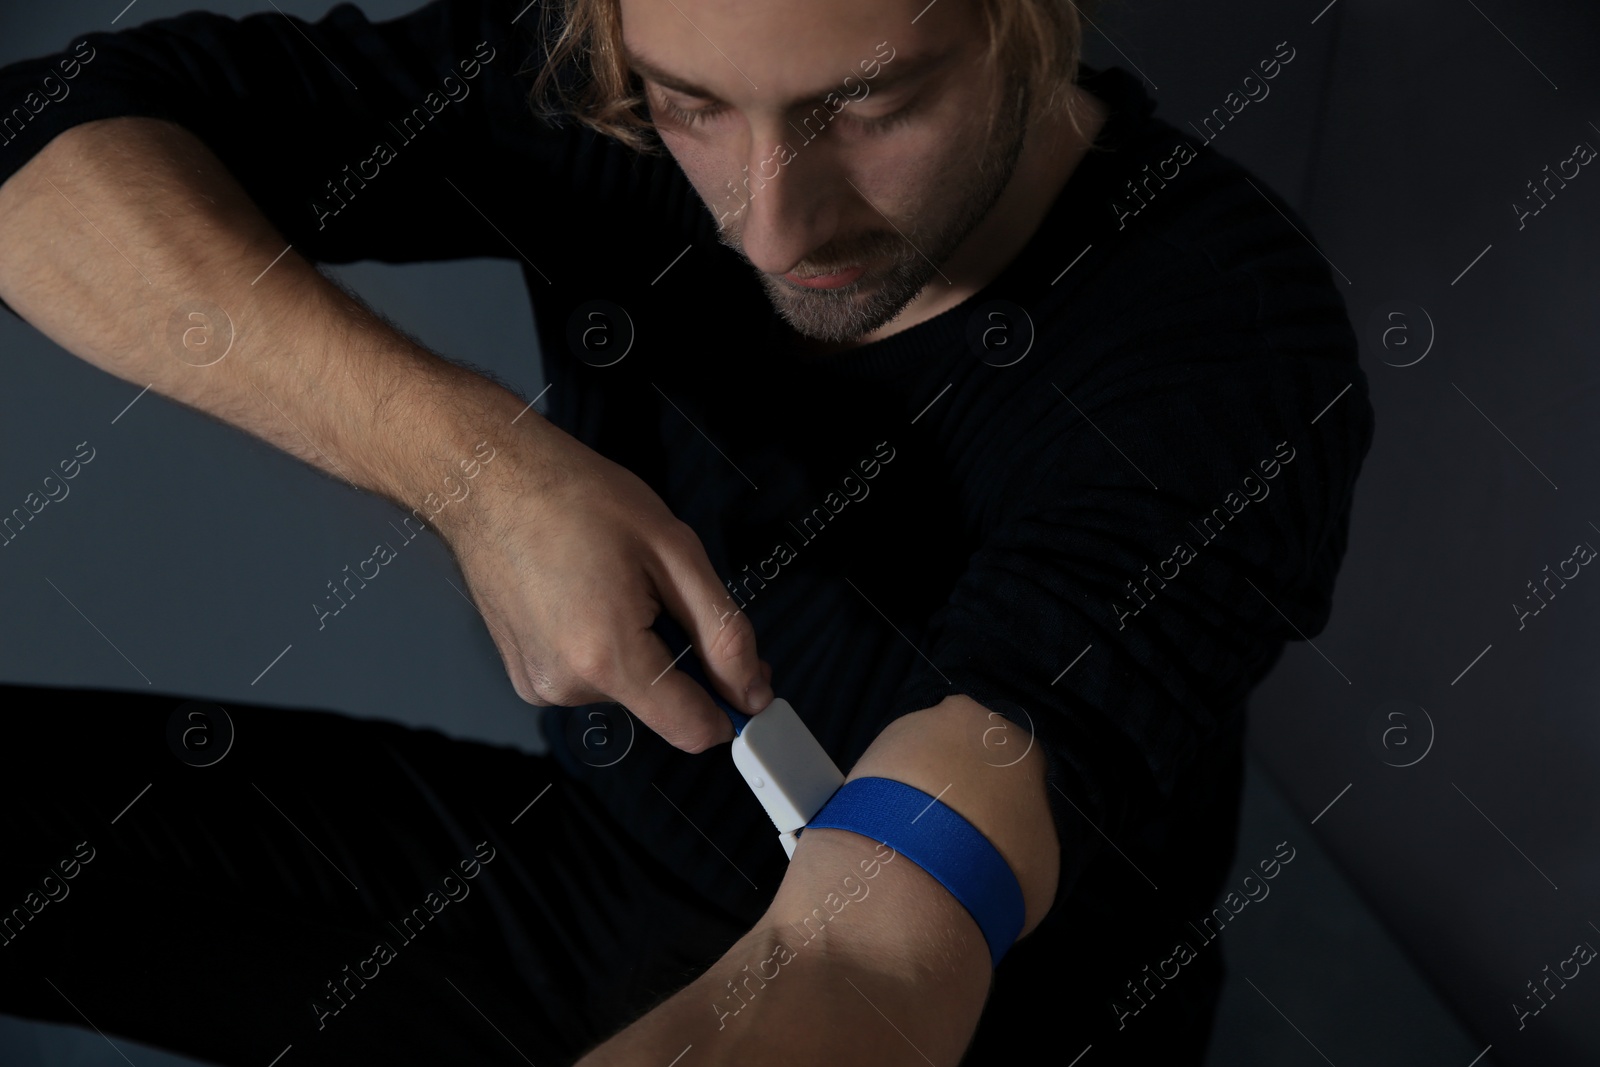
(941, 842)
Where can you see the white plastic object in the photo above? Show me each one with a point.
(785, 767)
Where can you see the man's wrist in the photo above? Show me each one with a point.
(448, 443)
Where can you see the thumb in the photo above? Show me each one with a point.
(721, 633)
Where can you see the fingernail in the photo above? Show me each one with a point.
(758, 696)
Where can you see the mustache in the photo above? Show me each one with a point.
(877, 244)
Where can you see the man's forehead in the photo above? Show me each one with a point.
(884, 65)
(709, 49)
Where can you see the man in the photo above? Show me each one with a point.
(880, 331)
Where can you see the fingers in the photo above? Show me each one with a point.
(617, 655)
(669, 701)
(720, 632)
(525, 677)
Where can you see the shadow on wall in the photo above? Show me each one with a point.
(1440, 730)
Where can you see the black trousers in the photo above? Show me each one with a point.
(258, 882)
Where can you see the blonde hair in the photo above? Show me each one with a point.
(1037, 41)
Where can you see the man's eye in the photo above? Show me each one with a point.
(884, 122)
(684, 116)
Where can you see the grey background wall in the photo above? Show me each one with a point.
(1425, 892)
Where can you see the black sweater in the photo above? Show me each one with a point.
(1097, 496)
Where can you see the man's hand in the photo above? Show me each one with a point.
(863, 958)
(571, 557)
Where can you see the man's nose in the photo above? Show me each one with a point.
(794, 211)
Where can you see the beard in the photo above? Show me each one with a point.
(905, 257)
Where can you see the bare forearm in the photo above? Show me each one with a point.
(861, 959)
(129, 244)
(787, 996)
